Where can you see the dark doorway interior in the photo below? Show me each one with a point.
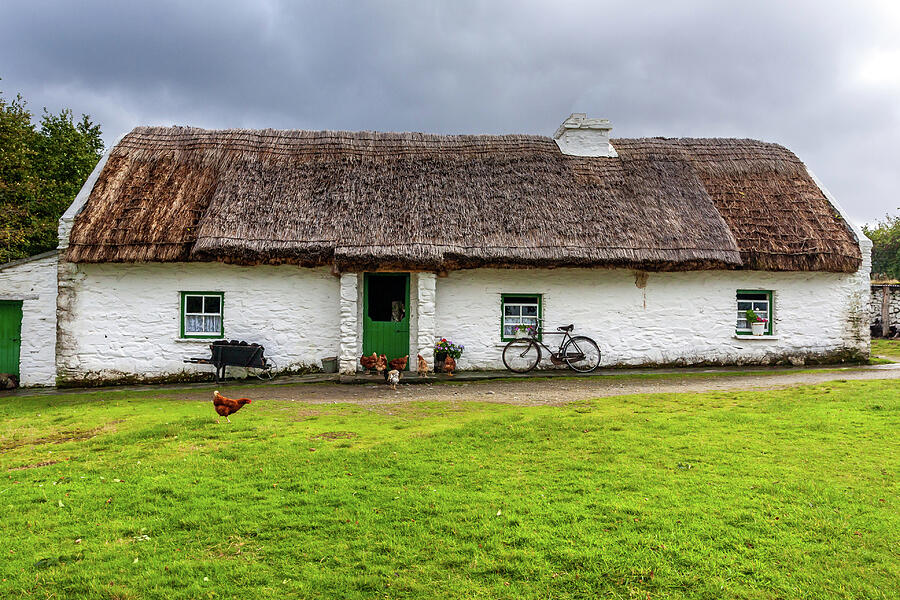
(387, 298)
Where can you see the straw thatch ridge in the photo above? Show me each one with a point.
(417, 201)
(780, 218)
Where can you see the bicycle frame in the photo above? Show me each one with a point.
(567, 335)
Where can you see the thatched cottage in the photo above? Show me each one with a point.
(317, 244)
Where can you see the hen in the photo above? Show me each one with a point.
(422, 367)
(226, 406)
(393, 378)
(400, 363)
(381, 364)
(369, 362)
(449, 365)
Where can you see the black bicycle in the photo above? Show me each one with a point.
(580, 353)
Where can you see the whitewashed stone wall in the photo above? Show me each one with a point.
(351, 318)
(122, 320)
(34, 283)
(878, 298)
(678, 318)
(424, 335)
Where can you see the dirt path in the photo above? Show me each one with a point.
(552, 391)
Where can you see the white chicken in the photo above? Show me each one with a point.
(393, 378)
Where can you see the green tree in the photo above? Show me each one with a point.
(41, 170)
(885, 236)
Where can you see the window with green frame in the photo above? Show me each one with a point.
(202, 314)
(760, 301)
(519, 309)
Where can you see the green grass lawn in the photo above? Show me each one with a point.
(780, 494)
(888, 348)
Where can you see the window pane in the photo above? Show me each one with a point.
(759, 302)
(212, 324)
(193, 324)
(519, 310)
(212, 305)
(194, 304)
(752, 296)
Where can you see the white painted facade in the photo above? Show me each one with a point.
(125, 319)
(33, 282)
(678, 318)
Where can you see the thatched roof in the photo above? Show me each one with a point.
(415, 201)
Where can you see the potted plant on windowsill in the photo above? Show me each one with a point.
(757, 323)
(442, 350)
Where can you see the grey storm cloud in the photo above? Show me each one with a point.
(822, 78)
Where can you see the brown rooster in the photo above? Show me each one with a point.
(227, 406)
(449, 365)
(399, 363)
(381, 364)
(422, 366)
(369, 362)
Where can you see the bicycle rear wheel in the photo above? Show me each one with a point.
(582, 354)
(521, 356)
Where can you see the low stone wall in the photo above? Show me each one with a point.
(875, 305)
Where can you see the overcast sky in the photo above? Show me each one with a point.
(820, 77)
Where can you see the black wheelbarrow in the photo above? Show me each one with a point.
(237, 354)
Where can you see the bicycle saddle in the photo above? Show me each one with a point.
(566, 327)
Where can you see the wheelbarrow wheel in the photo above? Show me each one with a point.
(268, 372)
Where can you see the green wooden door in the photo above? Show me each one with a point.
(10, 336)
(386, 315)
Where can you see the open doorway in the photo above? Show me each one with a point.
(386, 314)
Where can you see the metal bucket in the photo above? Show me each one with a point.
(329, 364)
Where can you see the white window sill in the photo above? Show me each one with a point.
(756, 338)
(196, 340)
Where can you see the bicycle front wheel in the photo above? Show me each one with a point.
(521, 356)
(582, 354)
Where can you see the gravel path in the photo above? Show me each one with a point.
(552, 391)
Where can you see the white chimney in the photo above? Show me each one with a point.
(580, 136)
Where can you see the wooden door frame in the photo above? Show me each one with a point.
(365, 305)
(20, 305)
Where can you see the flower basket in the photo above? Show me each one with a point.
(524, 331)
(442, 350)
(439, 358)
